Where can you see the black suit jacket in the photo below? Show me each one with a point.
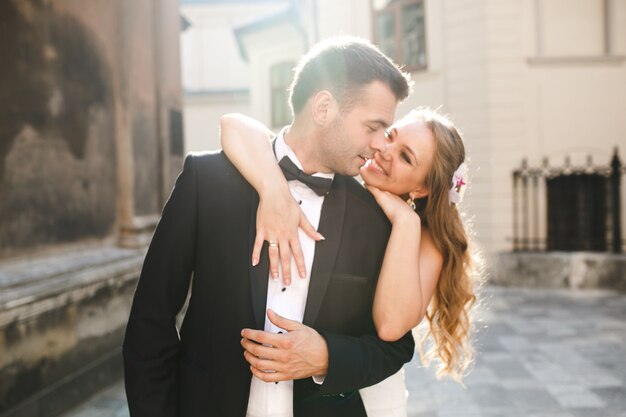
(207, 230)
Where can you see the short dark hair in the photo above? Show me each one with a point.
(343, 65)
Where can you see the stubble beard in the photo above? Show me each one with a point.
(335, 150)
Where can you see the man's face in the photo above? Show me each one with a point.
(352, 138)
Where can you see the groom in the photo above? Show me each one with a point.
(344, 95)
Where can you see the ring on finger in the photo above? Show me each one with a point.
(273, 244)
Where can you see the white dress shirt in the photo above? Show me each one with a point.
(269, 399)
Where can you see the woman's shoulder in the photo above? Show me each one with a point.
(427, 243)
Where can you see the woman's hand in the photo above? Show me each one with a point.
(277, 221)
(246, 143)
(394, 207)
(409, 273)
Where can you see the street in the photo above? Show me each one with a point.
(540, 353)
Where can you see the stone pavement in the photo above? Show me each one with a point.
(541, 353)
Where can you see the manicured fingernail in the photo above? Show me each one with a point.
(275, 276)
(255, 261)
(287, 281)
(302, 273)
(320, 236)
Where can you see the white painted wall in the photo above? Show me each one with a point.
(495, 70)
(542, 105)
(216, 78)
(345, 17)
(209, 51)
(202, 115)
(456, 83)
(272, 46)
(571, 27)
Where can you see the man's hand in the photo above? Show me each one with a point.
(299, 353)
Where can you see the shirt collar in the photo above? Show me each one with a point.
(282, 149)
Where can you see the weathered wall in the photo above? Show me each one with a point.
(142, 104)
(57, 176)
(77, 81)
(68, 314)
(169, 95)
(90, 143)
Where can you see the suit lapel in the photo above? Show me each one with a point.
(331, 226)
(259, 274)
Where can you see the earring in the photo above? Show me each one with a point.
(411, 203)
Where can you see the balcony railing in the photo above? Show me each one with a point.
(568, 208)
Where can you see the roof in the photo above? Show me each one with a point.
(188, 2)
(287, 15)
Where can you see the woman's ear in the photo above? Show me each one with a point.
(420, 192)
(324, 108)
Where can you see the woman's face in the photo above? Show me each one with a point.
(401, 168)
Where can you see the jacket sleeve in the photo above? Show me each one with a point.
(358, 362)
(151, 344)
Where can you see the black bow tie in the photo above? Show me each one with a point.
(321, 186)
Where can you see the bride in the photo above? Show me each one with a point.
(418, 180)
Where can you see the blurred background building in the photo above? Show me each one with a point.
(535, 80)
(91, 138)
(90, 142)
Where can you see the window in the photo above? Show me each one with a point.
(400, 31)
(576, 212)
(280, 78)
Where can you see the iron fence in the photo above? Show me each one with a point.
(568, 208)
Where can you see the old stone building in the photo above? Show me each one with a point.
(90, 142)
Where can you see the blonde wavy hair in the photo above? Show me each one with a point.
(449, 323)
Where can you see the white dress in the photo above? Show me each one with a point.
(388, 398)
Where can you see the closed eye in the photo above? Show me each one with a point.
(389, 134)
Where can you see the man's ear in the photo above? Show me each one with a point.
(324, 108)
(420, 192)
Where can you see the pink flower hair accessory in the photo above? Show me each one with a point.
(459, 183)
